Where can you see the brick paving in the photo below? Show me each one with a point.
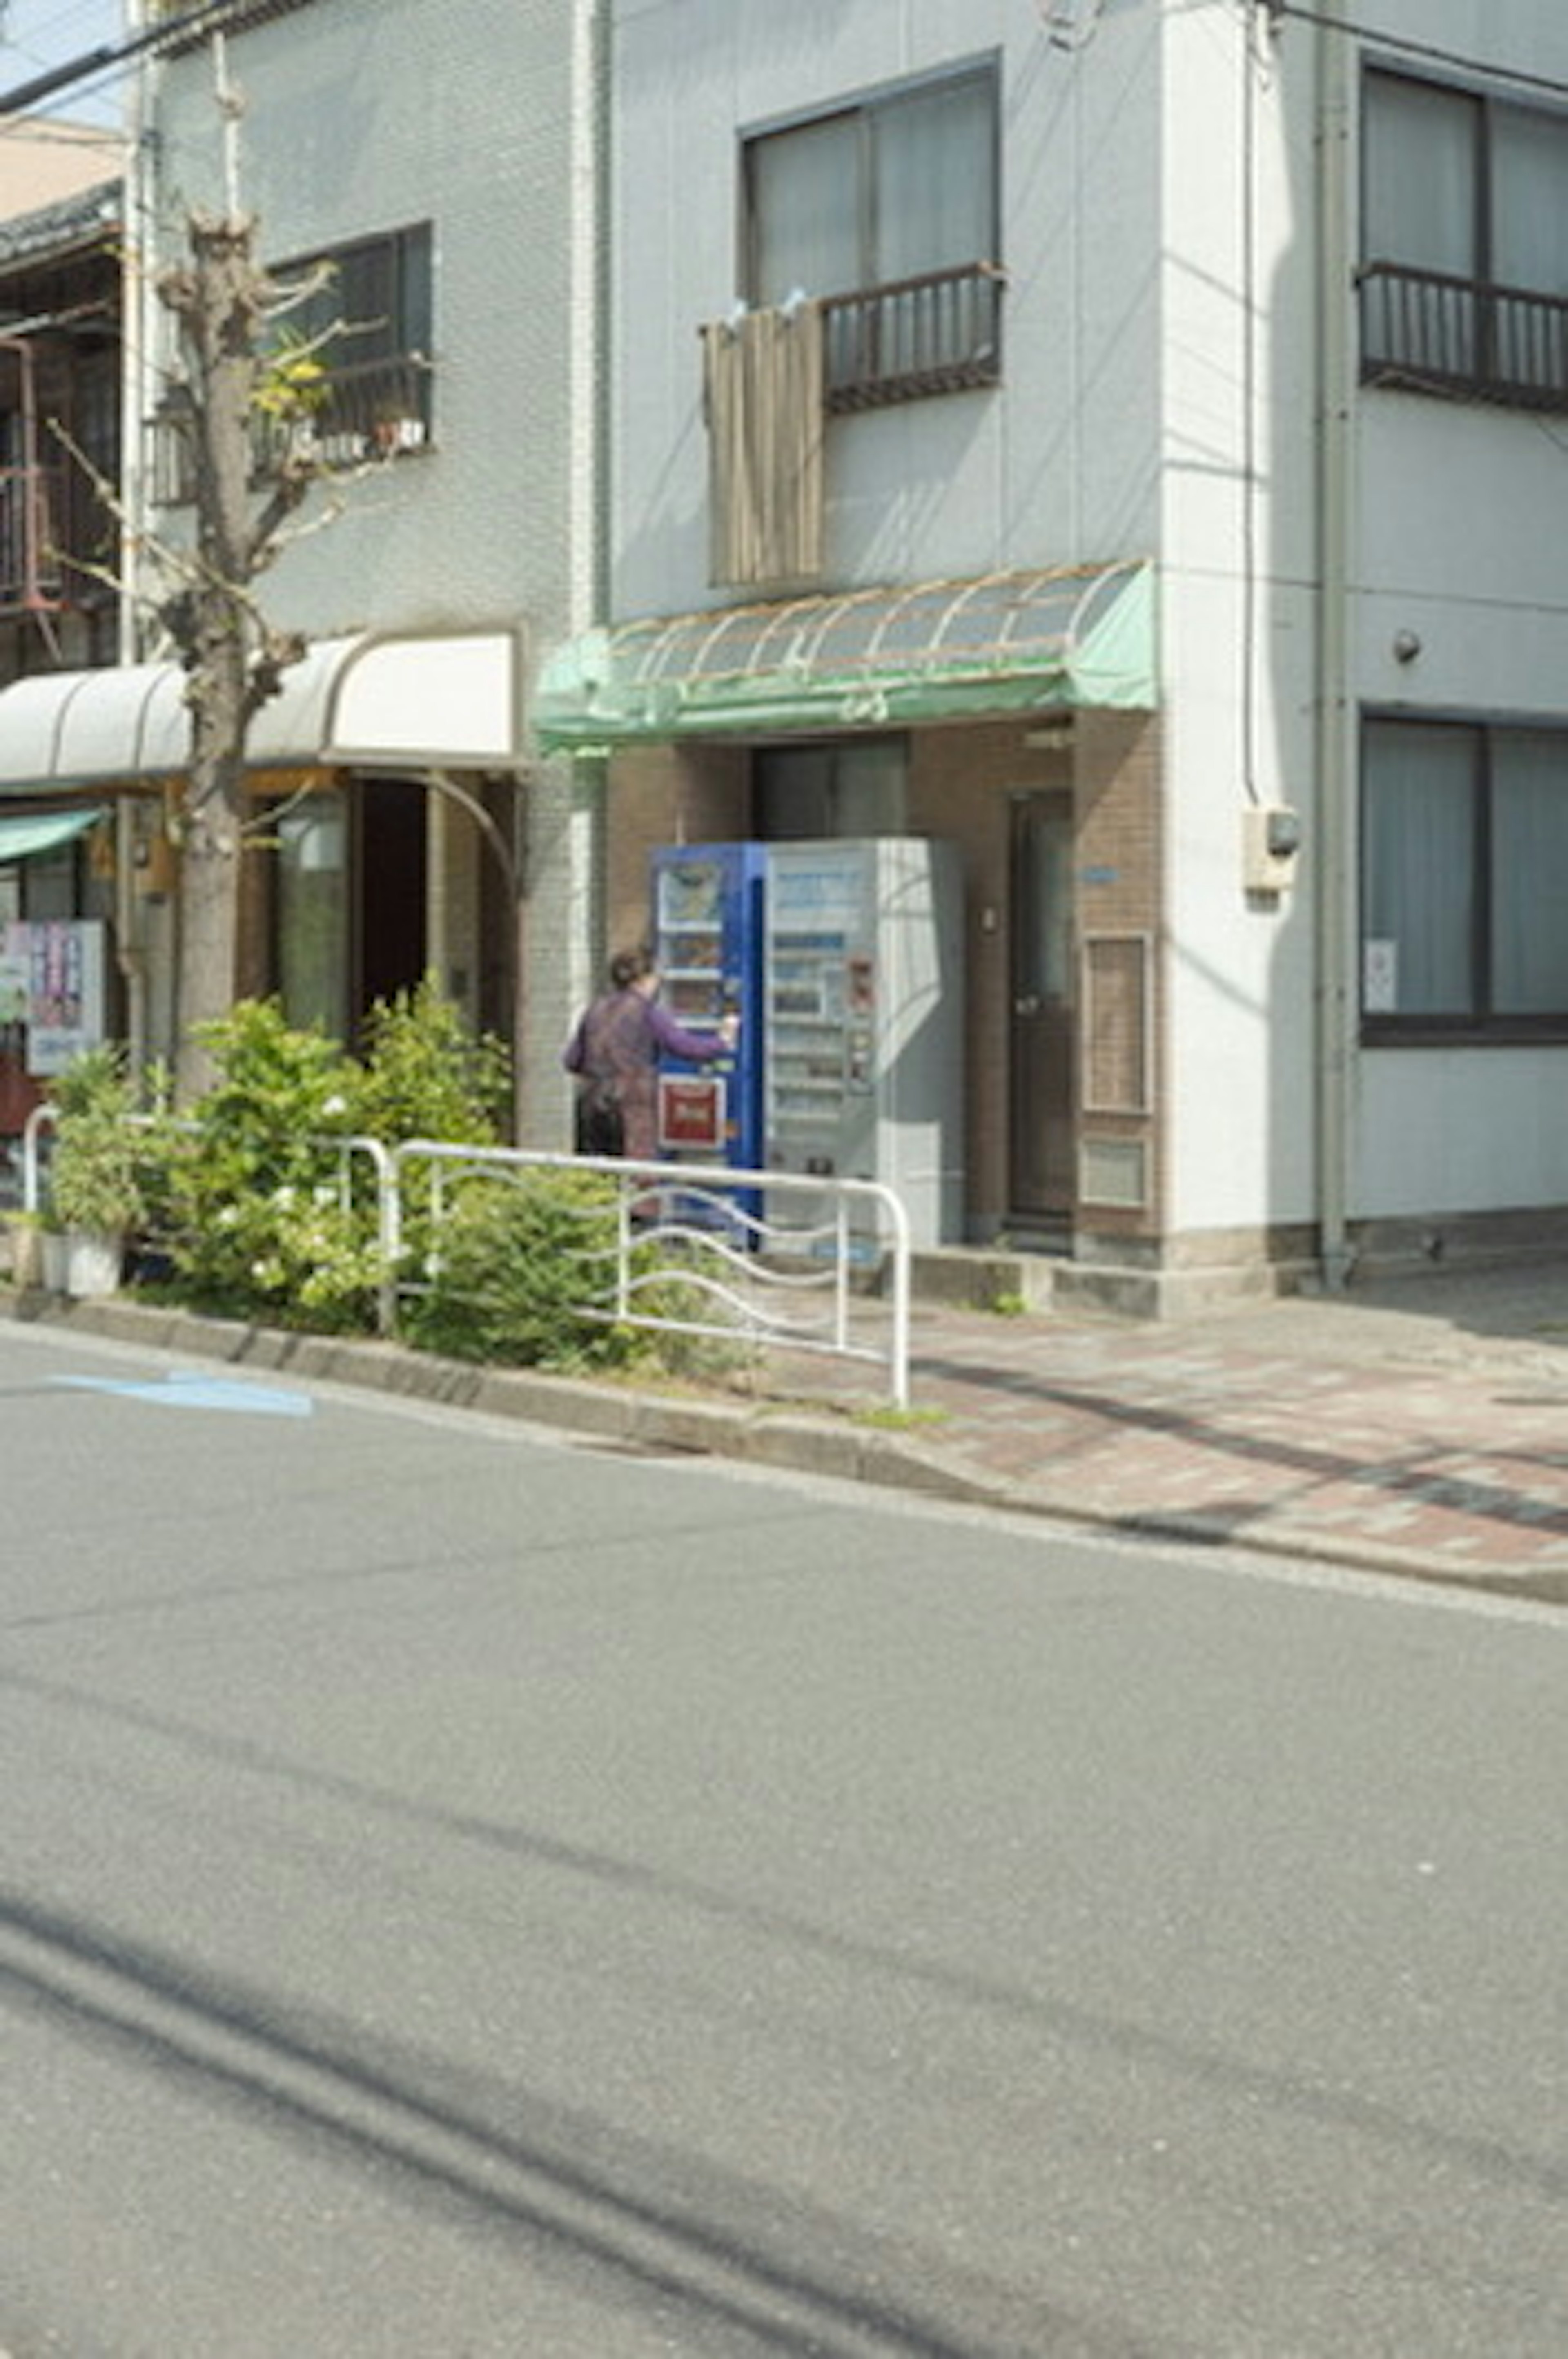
(1421, 1426)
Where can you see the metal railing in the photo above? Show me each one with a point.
(368, 410)
(765, 1260)
(51, 521)
(1429, 327)
(936, 334)
(687, 1257)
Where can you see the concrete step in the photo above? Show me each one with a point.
(997, 1278)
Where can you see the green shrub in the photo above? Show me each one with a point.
(517, 1258)
(95, 1180)
(261, 1223)
(427, 1075)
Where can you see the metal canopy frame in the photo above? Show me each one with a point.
(1016, 641)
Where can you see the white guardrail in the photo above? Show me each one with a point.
(770, 1260)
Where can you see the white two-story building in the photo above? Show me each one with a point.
(431, 166)
(1128, 439)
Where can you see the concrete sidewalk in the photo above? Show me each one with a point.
(1417, 1427)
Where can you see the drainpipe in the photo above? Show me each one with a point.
(1335, 997)
(130, 908)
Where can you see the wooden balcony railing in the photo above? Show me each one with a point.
(1427, 329)
(938, 333)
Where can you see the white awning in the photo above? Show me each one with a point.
(374, 702)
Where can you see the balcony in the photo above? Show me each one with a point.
(371, 410)
(938, 333)
(48, 515)
(1431, 333)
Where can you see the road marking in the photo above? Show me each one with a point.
(190, 1388)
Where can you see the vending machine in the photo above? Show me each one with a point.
(844, 962)
(863, 1071)
(707, 930)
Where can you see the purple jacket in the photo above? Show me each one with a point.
(616, 1044)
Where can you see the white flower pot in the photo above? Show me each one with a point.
(92, 1259)
(52, 1259)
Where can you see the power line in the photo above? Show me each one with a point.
(1427, 51)
(108, 54)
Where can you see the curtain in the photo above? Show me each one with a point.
(934, 184)
(1419, 788)
(806, 211)
(1530, 861)
(1530, 184)
(763, 384)
(1419, 198)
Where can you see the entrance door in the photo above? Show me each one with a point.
(1041, 1059)
(350, 902)
(392, 874)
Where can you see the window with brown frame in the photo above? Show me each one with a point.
(885, 210)
(1463, 278)
(1464, 850)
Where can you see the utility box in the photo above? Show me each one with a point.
(1271, 844)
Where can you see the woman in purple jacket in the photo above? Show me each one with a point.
(614, 1052)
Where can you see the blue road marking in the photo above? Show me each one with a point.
(190, 1388)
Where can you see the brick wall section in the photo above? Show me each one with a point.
(1120, 892)
(666, 794)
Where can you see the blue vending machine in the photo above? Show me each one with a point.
(708, 907)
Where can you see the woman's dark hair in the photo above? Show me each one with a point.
(628, 967)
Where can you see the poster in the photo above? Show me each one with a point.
(62, 962)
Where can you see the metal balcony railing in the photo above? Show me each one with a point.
(938, 333)
(1430, 330)
(370, 409)
(49, 516)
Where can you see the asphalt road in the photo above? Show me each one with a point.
(464, 1892)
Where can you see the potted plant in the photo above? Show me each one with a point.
(94, 1188)
(24, 1239)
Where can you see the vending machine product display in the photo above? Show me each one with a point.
(863, 1068)
(708, 927)
(844, 961)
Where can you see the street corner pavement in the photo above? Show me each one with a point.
(1419, 1426)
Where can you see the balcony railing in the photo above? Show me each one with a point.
(1428, 329)
(48, 515)
(938, 333)
(373, 409)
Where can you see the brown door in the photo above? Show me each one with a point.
(1044, 1011)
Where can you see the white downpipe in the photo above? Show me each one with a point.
(1335, 997)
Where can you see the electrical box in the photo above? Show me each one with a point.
(1271, 844)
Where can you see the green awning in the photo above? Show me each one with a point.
(30, 834)
(1003, 643)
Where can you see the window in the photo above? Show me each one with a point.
(1464, 283)
(374, 310)
(855, 787)
(1464, 851)
(886, 210)
(375, 399)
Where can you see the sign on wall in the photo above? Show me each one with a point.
(52, 982)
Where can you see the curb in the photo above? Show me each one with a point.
(782, 1438)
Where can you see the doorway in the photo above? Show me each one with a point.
(1042, 1022)
(350, 902)
(394, 871)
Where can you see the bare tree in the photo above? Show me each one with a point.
(230, 381)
